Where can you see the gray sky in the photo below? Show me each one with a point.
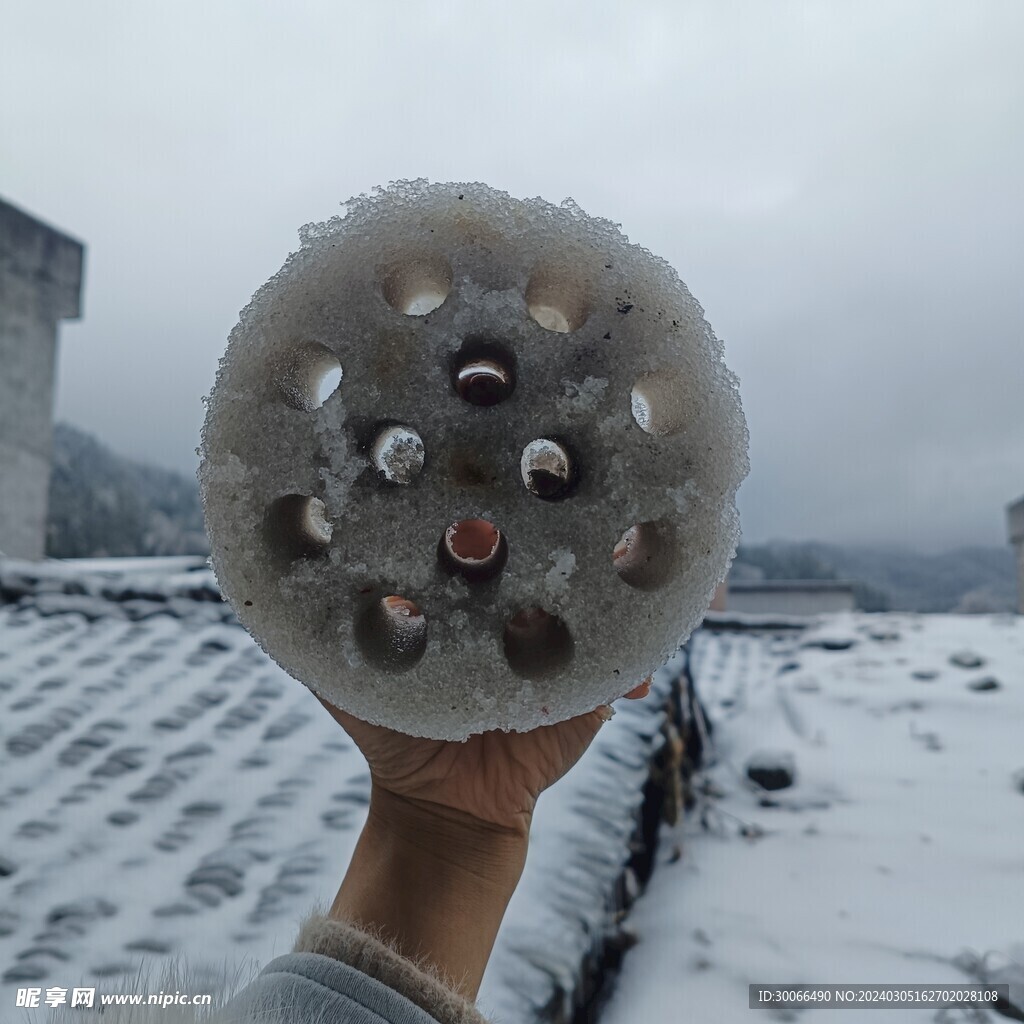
(841, 185)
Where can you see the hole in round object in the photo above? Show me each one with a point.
(645, 555)
(392, 633)
(548, 469)
(537, 643)
(483, 372)
(417, 286)
(483, 382)
(473, 548)
(556, 300)
(657, 402)
(328, 384)
(397, 453)
(296, 526)
(308, 376)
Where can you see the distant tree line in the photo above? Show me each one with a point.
(969, 579)
(103, 505)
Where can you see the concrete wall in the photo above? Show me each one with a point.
(40, 285)
(1015, 521)
(790, 598)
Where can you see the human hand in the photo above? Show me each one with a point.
(446, 833)
(492, 779)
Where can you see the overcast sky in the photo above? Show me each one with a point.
(841, 185)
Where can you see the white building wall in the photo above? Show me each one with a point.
(40, 284)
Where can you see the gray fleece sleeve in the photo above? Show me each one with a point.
(341, 975)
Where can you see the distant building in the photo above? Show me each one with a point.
(790, 597)
(1015, 518)
(40, 285)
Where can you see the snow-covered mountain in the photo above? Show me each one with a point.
(967, 579)
(102, 504)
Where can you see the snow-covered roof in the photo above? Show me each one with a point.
(165, 788)
(897, 854)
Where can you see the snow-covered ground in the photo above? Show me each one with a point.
(897, 855)
(166, 790)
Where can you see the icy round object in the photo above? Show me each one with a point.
(520, 497)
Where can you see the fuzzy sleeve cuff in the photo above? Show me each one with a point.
(417, 981)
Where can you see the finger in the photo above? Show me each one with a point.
(641, 691)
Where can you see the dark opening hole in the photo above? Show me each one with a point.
(537, 643)
(392, 633)
(397, 453)
(308, 376)
(483, 372)
(483, 382)
(474, 548)
(548, 469)
(296, 526)
(645, 556)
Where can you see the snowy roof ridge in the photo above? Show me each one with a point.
(134, 589)
(735, 620)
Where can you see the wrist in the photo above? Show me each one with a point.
(444, 830)
(433, 882)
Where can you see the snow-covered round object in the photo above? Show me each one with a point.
(519, 499)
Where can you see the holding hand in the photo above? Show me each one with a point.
(446, 834)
